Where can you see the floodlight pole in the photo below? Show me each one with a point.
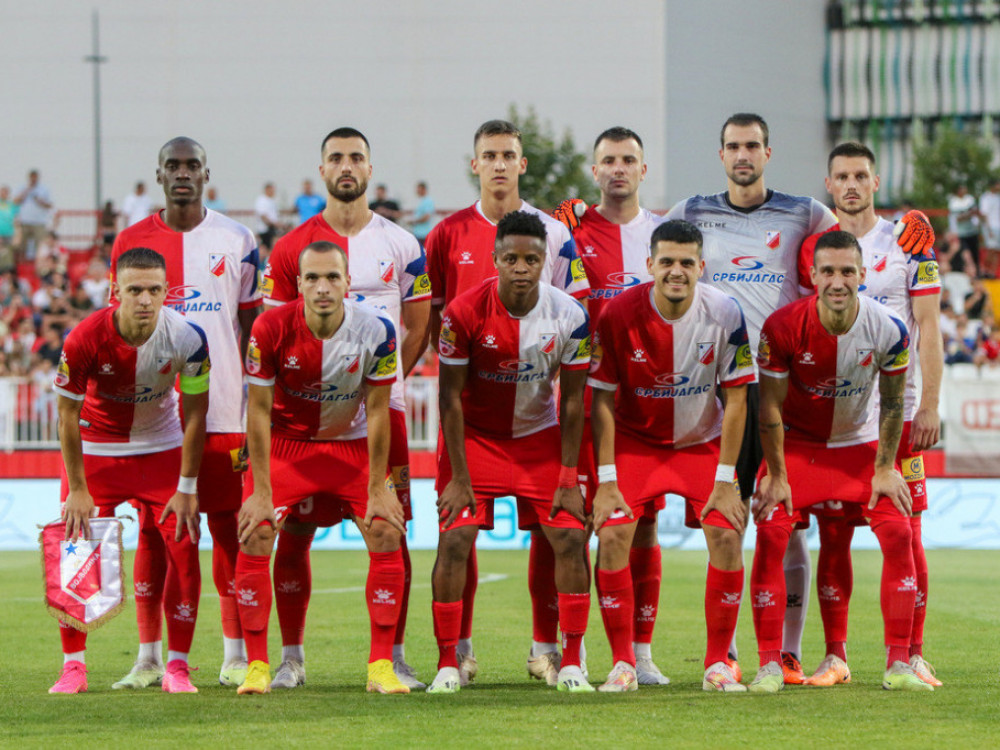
(96, 59)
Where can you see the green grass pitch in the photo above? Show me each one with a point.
(504, 708)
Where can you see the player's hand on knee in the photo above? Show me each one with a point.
(609, 500)
(257, 509)
(457, 496)
(890, 483)
(914, 233)
(725, 499)
(569, 499)
(569, 212)
(185, 506)
(383, 503)
(76, 512)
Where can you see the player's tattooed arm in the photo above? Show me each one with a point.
(887, 481)
(458, 494)
(773, 488)
(79, 504)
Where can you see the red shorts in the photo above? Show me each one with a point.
(587, 469)
(220, 480)
(334, 471)
(323, 510)
(911, 465)
(148, 478)
(818, 475)
(646, 472)
(526, 467)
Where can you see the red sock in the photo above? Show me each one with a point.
(447, 626)
(292, 585)
(405, 605)
(73, 640)
(723, 594)
(384, 591)
(899, 586)
(920, 607)
(574, 609)
(225, 547)
(469, 593)
(542, 586)
(182, 590)
(614, 589)
(646, 564)
(253, 598)
(835, 581)
(149, 572)
(767, 589)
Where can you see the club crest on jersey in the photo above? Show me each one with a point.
(773, 239)
(163, 365)
(865, 357)
(216, 264)
(706, 352)
(386, 270)
(879, 263)
(62, 373)
(547, 343)
(351, 363)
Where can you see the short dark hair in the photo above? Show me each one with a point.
(323, 246)
(182, 140)
(520, 223)
(838, 240)
(140, 257)
(495, 127)
(617, 134)
(850, 149)
(676, 230)
(743, 120)
(345, 133)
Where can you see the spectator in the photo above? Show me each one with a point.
(308, 204)
(988, 352)
(80, 303)
(963, 220)
(51, 343)
(989, 213)
(96, 283)
(265, 209)
(978, 300)
(35, 213)
(8, 212)
(213, 201)
(137, 205)
(109, 223)
(52, 257)
(961, 349)
(385, 206)
(423, 214)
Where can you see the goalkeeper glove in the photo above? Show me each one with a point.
(914, 233)
(569, 212)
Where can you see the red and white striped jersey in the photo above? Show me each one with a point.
(211, 275)
(894, 278)
(129, 401)
(666, 371)
(512, 362)
(319, 384)
(460, 254)
(832, 379)
(386, 264)
(614, 255)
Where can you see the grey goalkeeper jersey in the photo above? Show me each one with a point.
(752, 255)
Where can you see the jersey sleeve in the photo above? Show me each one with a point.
(413, 280)
(576, 350)
(679, 211)
(805, 263)
(773, 354)
(260, 362)
(382, 370)
(922, 273)
(822, 218)
(603, 364)
(74, 367)
(250, 292)
(194, 372)
(897, 349)
(435, 245)
(454, 341)
(736, 362)
(567, 270)
(279, 285)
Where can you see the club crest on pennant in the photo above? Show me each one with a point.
(216, 264)
(706, 352)
(80, 569)
(773, 239)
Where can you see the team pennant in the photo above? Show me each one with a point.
(84, 582)
(217, 263)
